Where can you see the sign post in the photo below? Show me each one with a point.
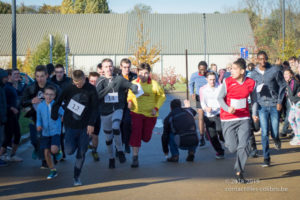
(244, 53)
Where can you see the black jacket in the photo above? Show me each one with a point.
(32, 91)
(115, 84)
(183, 122)
(87, 96)
(64, 83)
(292, 94)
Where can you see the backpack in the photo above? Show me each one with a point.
(184, 128)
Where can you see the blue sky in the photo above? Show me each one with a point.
(159, 6)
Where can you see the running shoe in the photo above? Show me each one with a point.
(53, 174)
(135, 162)
(59, 156)
(111, 164)
(202, 141)
(190, 158)
(77, 182)
(266, 163)
(15, 159)
(44, 165)
(277, 144)
(95, 156)
(295, 141)
(173, 159)
(121, 156)
(219, 156)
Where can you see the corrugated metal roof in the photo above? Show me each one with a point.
(96, 34)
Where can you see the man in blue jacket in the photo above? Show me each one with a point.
(270, 91)
(198, 80)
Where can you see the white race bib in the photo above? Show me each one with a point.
(140, 91)
(112, 97)
(238, 103)
(75, 107)
(213, 103)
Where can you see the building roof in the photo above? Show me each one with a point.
(109, 34)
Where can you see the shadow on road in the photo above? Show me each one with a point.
(80, 191)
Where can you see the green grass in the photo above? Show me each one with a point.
(24, 122)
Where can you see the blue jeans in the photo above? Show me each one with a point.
(174, 148)
(268, 116)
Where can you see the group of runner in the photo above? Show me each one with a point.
(68, 114)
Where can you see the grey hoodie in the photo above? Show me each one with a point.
(273, 89)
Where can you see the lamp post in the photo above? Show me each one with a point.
(204, 36)
(14, 35)
(67, 50)
(283, 27)
(51, 47)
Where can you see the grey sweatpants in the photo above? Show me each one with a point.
(111, 127)
(236, 135)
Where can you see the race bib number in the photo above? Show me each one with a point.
(238, 103)
(111, 98)
(140, 91)
(75, 107)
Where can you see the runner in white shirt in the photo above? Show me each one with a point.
(210, 105)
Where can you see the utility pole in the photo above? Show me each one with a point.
(14, 35)
(204, 36)
(51, 47)
(67, 50)
(283, 27)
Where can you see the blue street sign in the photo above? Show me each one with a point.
(244, 53)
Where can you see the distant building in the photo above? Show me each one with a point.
(93, 37)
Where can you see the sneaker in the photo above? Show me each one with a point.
(254, 153)
(190, 158)
(63, 158)
(95, 156)
(277, 144)
(77, 182)
(295, 141)
(59, 156)
(266, 163)
(240, 178)
(3, 163)
(34, 155)
(111, 163)
(283, 134)
(53, 174)
(219, 156)
(173, 159)
(44, 165)
(121, 156)
(15, 159)
(202, 141)
(135, 162)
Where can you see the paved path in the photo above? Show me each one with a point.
(206, 178)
